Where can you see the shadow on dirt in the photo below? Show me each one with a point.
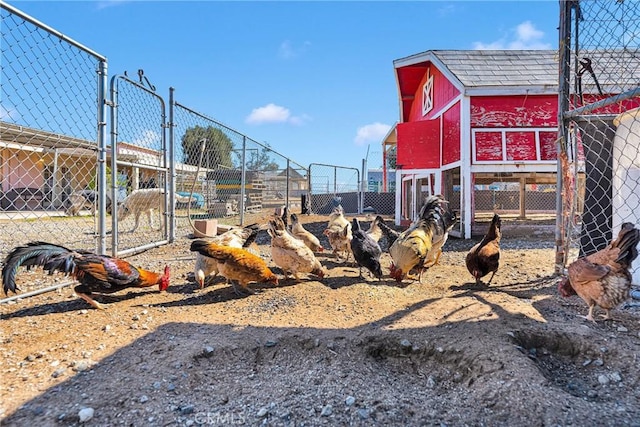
(180, 371)
(75, 305)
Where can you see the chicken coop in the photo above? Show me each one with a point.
(481, 128)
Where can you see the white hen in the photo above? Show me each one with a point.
(299, 232)
(291, 254)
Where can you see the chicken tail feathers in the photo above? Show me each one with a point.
(51, 257)
(199, 246)
(627, 242)
(253, 231)
(389, 233)
(435, 211)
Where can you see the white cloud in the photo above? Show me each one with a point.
(373, 132)
(103, 4)
(148, 138)
(446, 10)
(288, 51)
(272, 113)
(523, 36)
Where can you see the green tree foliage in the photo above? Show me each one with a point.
(218, 148)
(260, 160)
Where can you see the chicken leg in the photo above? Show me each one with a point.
(91, 301)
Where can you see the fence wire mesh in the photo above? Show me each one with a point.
(48, 135)
(600, 96)
(141, 174)
(331, 185)
(53, 124)
(229, 176)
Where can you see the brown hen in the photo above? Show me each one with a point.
(236, 264)
(603, 278)
(484, 258)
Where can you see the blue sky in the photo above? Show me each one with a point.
(313, 79)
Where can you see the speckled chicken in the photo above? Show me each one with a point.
(339, 233)
(375, 231)
(603, 278)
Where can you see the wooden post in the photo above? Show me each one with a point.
(523, 197)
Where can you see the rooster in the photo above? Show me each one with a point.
(603, 278)
(366, 251)
(234, 238)
(299, 232)
(236, 264)
(291, 254)
(484, 258)
(423, 240)
(96, 273)
(339, 233)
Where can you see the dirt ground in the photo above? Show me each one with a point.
(340, 351)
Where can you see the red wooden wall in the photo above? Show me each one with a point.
(451, 135)
(443, 93)
(419, 144)
(514, 111)
(514, 114)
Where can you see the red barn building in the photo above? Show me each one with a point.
(469, 119)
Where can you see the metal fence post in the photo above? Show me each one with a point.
(286, 197)
(563, 106)
(172, 169)
(101, 184)
(243, 179)
(114, 166)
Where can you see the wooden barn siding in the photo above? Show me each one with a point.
(443, 93)
(514, 111)
(451, 135)
(419, 145)
(517, 111)
(521, 146)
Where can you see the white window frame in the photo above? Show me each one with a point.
(427, 94)
(503, 132)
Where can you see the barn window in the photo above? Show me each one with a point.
(427, 94)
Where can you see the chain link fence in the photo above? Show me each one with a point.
(599, 160)
(331, 185)
(228, 176)
(49, 134)
(62, 180)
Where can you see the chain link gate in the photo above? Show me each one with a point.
(599, 144)
(52, 127)
(139, 176)
(330, 185)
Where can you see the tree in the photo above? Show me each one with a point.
(218, 147)
(260, 160)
